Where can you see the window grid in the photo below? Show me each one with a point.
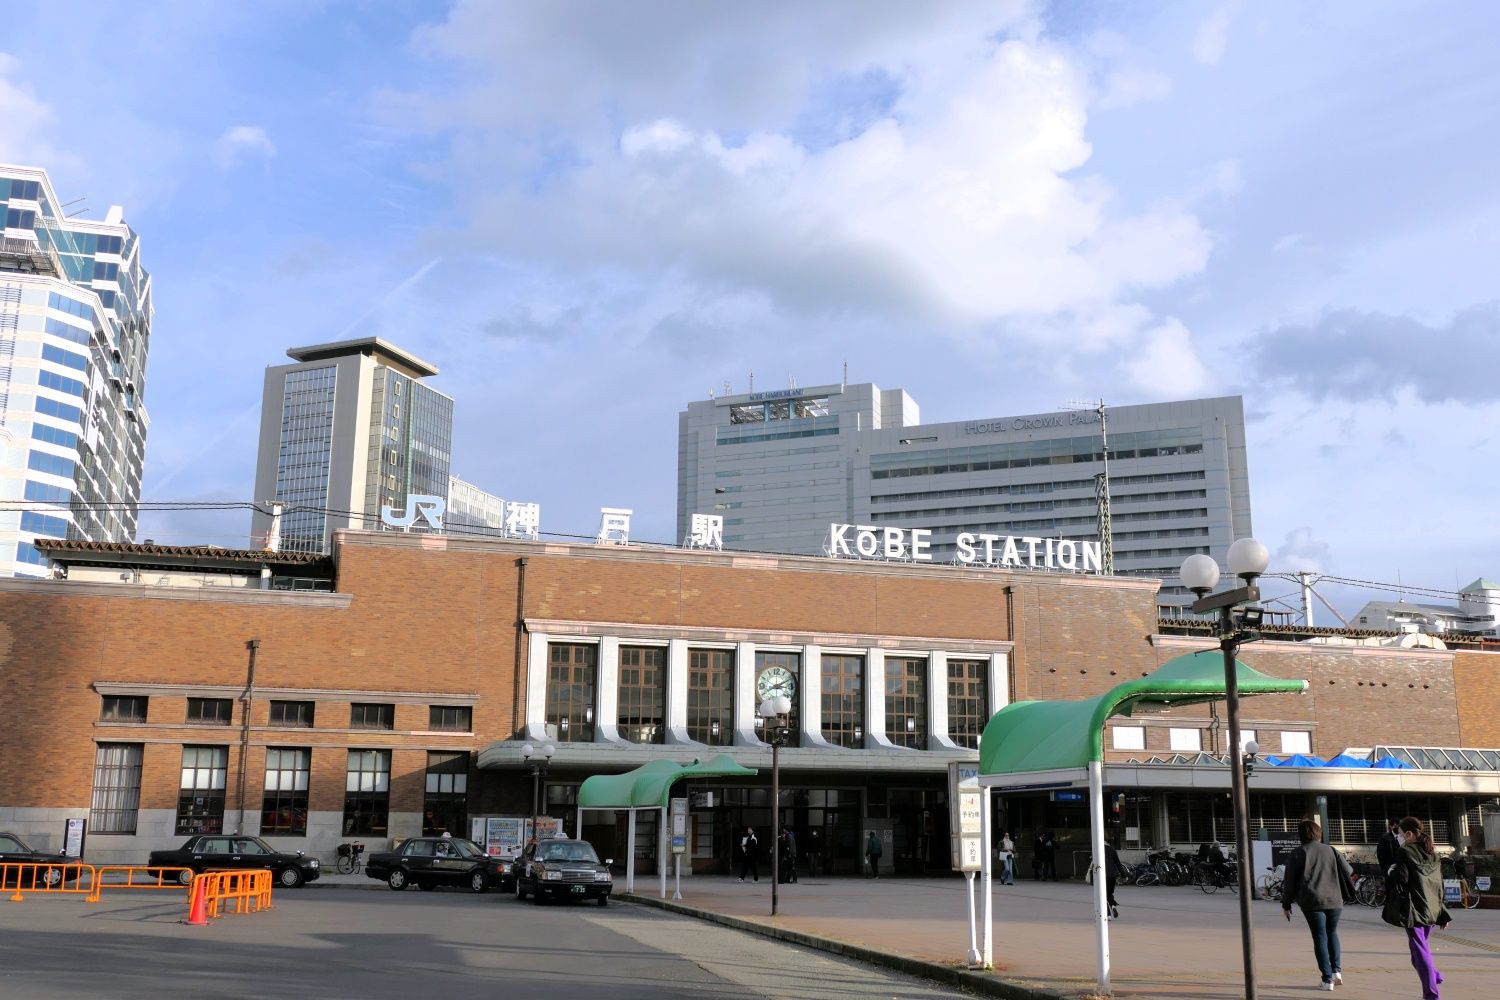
(284, 801)
(571, 673)
(968, 701)
(710, 701)
(200, 797)
(843, 699)
(906, 701)
(306, 452)
(643, 692)
(292, 713)
(445, 806)
(450, 718)
(117, 788)
(210, 711)
(123, 708)
(367, 792)
(365, 715)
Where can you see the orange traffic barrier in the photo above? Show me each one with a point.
(136, 877)
(45, 877)
(212, 892)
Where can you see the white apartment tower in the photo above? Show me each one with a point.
(347, 429)
(75, 328)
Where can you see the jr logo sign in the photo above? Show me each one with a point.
(428, 508)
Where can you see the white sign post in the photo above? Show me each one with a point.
(679, 842)
(967, 814)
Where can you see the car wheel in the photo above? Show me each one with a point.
(290, 878)
(603, 900)
(396, 879)
(424, 886)
(479, 882)
(53, 877)
(536, 897)
(185, 877)
(520, 893)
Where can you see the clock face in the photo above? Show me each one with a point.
(775, 681)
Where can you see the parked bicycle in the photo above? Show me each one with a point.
(1271, 883)
(351, 858)
(1463, 867)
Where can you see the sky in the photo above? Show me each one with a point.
(588, 215)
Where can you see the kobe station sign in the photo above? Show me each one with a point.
(862, 541)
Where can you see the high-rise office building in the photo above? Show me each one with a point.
(75, 327)
(782, 466)
(346, 430)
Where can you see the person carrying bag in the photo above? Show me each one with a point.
(1414, 900)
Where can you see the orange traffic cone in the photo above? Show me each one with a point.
(197, 904)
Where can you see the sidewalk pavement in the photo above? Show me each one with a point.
(1169, 941)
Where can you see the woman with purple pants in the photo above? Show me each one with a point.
(1417, 866)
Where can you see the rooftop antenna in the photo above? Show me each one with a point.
(1101, 486)
(728, 389)
(752, 382)
(844, 384)
(791, 381)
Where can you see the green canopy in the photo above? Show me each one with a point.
(1051, 735)
(650, 785)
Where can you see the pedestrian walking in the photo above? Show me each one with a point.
(1038, 848)
(1007, 859)
(1415, 900)
(1049, 856)
(1111, 879)
(786, 847)
(1388, 848)
(749, 854)
(873, 850)
(1320, 881)
(814, 853)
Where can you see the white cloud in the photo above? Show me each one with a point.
(1212, 37)
(1165, 363)
(25, 120)
(1129, 86)
(1301, 552)
(959, 204)
(241, 142)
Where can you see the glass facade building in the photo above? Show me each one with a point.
(75, 330)
(349, 429)
(780, 467)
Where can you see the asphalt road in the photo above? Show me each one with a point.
(448, 945)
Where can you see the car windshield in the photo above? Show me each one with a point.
(570, 851)
(466, 848)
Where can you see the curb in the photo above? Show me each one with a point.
(973, 982)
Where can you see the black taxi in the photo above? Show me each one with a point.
(563, 869)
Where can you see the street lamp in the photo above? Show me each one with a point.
(538, 772)
(1248, 559)
(776, 710)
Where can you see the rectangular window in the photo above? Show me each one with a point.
(210, 711)
(123, 708)
(283, 808)
(372, 716)
(710, 706)
(61, 383)
(28, 553)
(643, 693)
(54, 435)
(1185, 740)
(200, 796)
(968, 701)
(571, 672)
(772, 672)
(450, 718)
(1128, 737)
(117, 788)
(62, 411)
(53, 465)
(906, 701)
(42, 524)
(445, 806)
(67, 331)
(843, 699)
(1246, 735)
(1296, 742)
(66, 358)
(43, 493)
(292, 713)
(367, 792)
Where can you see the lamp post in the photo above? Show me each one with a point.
(775, 711)
(1247, 560)
(538, 772)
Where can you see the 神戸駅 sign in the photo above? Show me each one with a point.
(1008, 551)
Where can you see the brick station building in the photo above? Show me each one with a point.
(388, 689)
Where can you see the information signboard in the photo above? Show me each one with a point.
(1452, 891)
(73, 837)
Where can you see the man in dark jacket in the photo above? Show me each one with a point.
(1388, 849)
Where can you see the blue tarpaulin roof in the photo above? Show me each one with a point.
(1344, 760)
(1391, 763)
(1300, 760)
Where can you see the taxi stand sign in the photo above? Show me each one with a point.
(966, 805)
(679, 842)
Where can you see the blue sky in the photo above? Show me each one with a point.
(588, 214)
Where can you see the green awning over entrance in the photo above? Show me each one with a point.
(650, 785)
(1051, 735)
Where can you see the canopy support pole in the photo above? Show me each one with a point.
(1101, 875)
(630, 853)
(662, 849)
(986, 866)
